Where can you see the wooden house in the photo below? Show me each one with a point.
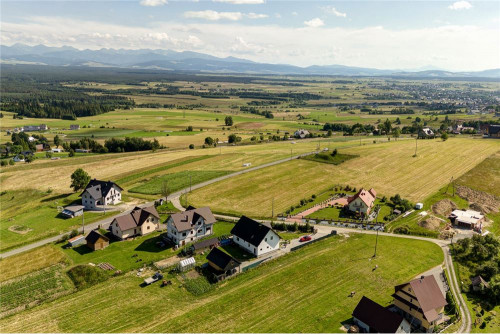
(96, 240)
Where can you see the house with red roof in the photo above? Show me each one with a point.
(362, 202)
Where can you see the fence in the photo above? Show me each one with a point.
(313, 241)
(255, 264)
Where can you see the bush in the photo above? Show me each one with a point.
(4, 163)
(11, 162)
(84, 276)
(73, 234)
(191, 146)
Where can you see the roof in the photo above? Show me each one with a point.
(467, 216)
(368, 197)
(74, 208)
(380, 319)
(99, 189)
(251, 231)
(206, 243)
(478, 280)
(428, 294)
(93, 236)
(494, 129)
(222, 259)
(183, 221)
(76, 238)
(136, 217)
(187, 262)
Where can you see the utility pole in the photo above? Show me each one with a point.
(190, 182)
(291, 154)
(416, 139)
(83, 222)
(272, 212)
(376, 242)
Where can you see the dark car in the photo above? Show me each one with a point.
(305, 238)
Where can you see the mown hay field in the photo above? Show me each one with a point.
(390, 168)
(305, 291)
(485, 176)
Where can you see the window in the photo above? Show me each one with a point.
(271, 237)
(149, 227)
(184, 234)
(192, 231)
(200, 230)
(238, 238)
(265, 239)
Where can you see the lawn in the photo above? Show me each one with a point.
(32, 260)
(309, 290)
(35, 215)
(176, 181)
(121, 254)
(489, 170)
(388, 167)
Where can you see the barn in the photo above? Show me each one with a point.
(96, 240)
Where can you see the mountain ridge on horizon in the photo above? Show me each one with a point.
(160, 59)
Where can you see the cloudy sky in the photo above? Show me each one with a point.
(461, 35)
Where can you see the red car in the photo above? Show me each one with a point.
(305, 238)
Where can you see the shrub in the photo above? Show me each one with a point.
(84, 276)
(3, 163)
(11, 162)
(191, 146)
(73, 234)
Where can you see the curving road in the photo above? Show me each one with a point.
(175, 199)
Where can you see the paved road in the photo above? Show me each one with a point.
(174, 197)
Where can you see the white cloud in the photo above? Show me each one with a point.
(242, 2)
(295, 13)
(459, 5)
(153, 3)
(332, 10)
(440, 46)
(212, 15)
(314, 23)
(256, 16)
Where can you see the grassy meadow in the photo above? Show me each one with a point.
(309, 289)
(390, 168)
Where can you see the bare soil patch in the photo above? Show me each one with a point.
(479, 200)
(430, 223)
(444, 207)
(20, 229)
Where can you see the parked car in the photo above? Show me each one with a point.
(305, 238)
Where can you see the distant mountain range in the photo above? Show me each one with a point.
(197, 62)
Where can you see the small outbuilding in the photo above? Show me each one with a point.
(479, 284)
(72, 211)
(75, 241)
(96, 240)
(187, 264)
(419, 206)
(221, 264)
(207, 243)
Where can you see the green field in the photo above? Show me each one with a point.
(36, 213)
(485, 176)
(330, 159)
(176, 181)
(309, 289)
(389, 168)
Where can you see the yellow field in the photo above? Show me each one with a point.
(30, 261)
(389, 168)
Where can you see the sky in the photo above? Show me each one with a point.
(411, 35)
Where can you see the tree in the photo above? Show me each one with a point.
(444, 136)
(29, 158)
(79, 179)
(165, 191)
(387, 126)
(189, 128)
(233, 138)
(48, 154)
(71, 152)
(228, 121)
(16, 149)
(209, 141)
(396, 132)
(57, 141)
(191, 146)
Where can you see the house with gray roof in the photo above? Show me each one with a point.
(139, 221)
(99, 192)
(190, 225)
(254, 237)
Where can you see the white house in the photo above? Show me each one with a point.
(101, 193)
(301, 134)
(190, 225)
(56, 150)
(140, 221)
(362, 202)
(254, 237)
(372, 317)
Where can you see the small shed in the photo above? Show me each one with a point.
(222, 264)
(396, 212)
(207, 243)
(419, 206)
(72, 211)
(75, 241)
(187, 264)
(96, 240)
(479, 284)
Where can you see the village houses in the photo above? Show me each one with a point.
(190, 225)
(362, 202)
(99, 192)
(140, 221)
(372, 317)
(254, 237)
